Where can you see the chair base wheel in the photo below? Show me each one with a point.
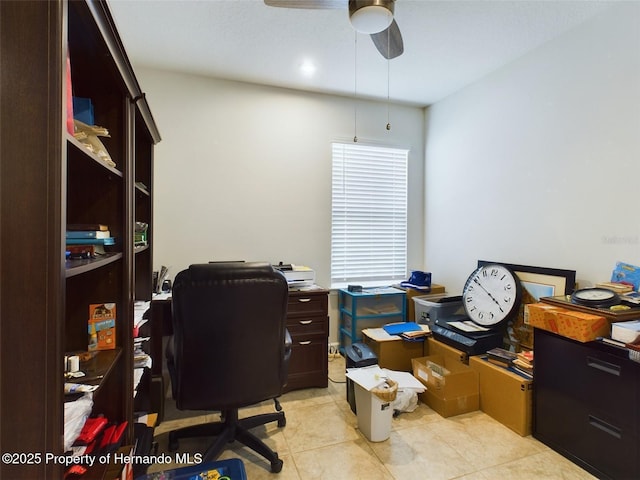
(276, 466)
(282, 422)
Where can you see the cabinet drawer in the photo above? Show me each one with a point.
(308, 325)
(613, 386)
(307, 305)
(308, 355)
(590, 438)
(603, 382)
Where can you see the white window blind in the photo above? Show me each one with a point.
(368, 215)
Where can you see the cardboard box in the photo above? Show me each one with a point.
(504, 395)
(102, 326)
(580, 326)
(583, 327)
(412, 292)
(392, 351)
(452, 388)
(436, 347)
(542, 315)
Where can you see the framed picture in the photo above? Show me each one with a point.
(537, 282)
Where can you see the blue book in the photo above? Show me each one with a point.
(91, 241)
(88, 234)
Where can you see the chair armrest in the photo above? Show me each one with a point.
(288, 342)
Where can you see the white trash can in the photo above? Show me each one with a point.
(374, 415)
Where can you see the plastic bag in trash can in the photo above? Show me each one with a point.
(387, 391)
(406, 401)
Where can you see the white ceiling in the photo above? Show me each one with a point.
(447, 44)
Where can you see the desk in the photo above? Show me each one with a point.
(307, 322)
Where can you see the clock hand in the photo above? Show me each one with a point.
(487, 292)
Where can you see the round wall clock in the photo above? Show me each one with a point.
(491, 295)
(595, 297)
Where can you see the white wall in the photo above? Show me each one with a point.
(538, 163)
(244, 171)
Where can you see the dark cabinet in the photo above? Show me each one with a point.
(308, 324)
(586, 402)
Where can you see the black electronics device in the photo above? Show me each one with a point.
(472, 343)
(357, 355)
(491, 297)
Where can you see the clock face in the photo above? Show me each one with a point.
(491, 294)
(595, 297)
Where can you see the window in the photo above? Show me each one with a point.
(368, 215)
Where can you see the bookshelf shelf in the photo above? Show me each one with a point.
(80, 266)
(80, 148)
(142, 190)
(141, 248)
(97, 369)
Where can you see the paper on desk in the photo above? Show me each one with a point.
(367, 377)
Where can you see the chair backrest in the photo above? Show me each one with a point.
(229, 323)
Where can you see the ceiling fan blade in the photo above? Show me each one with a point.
(318, 4)
(389, 41)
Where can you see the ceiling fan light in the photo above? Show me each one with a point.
(371, 19)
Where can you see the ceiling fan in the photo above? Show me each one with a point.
(374, 17)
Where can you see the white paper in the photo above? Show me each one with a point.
(367, 377)
(405, 380)
(468, 326)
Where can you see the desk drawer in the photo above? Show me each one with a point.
(308, 356)
(301, 304)
(308, 325)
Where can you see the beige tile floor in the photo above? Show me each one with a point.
(321, 441)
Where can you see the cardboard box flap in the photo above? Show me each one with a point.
(451, 378)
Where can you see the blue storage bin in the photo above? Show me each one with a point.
(83, 110)
(233, 468)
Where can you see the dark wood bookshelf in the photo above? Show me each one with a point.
(50, 179)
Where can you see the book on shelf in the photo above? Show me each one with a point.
(84, 251)
(75, 252)
(102, 326)
(87, 226)
(91, 241)
(88, 234)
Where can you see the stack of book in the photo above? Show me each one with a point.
(524, 362)
(501, 357)
(87, 240)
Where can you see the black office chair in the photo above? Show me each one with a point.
(230, 349)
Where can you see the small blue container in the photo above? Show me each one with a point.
(230, 469)
(83, 110)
